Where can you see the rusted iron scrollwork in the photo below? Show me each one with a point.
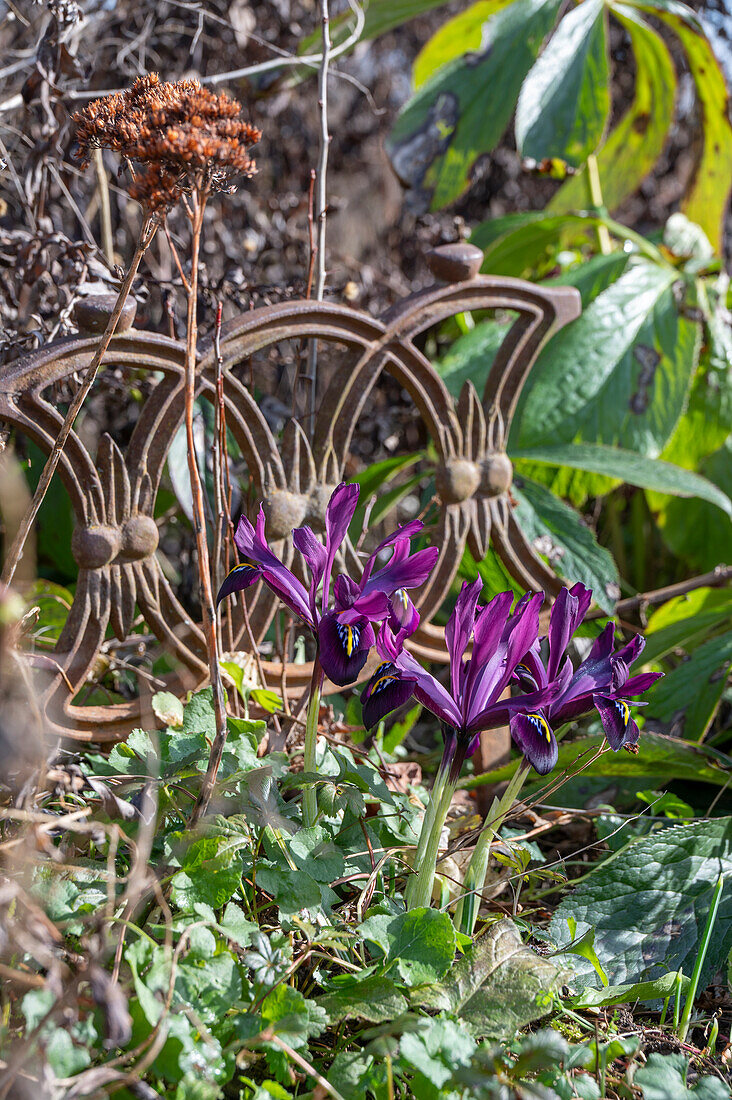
(113, 495)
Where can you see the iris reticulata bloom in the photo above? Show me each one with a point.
(602, 681)
(344, 627)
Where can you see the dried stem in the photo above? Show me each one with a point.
(105, 210)
(147, 232)
(311, 376)
(208, 615)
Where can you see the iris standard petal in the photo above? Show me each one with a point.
(387, 689)
(344, 647)
(345, 592)
(617, 721)
(237, 579)
(411, 571)
(313, 551)
(402, 535)
(535, 738)
(403, 615)
(459, 628)
(562, 622)
(338, 516)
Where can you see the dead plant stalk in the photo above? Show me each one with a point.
(208, 614)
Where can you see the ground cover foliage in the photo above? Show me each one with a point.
(271, 950)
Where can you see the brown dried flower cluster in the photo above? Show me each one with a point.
(185, 134)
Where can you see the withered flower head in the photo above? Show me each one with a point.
(186, 136)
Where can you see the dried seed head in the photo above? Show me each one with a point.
(184, 134)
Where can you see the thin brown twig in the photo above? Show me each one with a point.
(147, 232)
(208, 614)
(718, 577)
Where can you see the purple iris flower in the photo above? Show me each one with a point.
(602, 682)
(473, 702)
(344, 631)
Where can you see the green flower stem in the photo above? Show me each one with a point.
(419, 887)
(310, 794)
(682, 1029)
(467, 911)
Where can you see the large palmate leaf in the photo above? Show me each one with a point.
(464, 109)
(557, 530)
(565, 101)
(706, 202)
(635, 144)
(630, 467)
(460, 35)
(689, 695)
(499, 985)
(619, 374)
(421, 943)
(665, 879)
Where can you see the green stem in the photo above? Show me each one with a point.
(419, 887)
(683, 1027)
(466, 913)
(593, 177)
(310, 794)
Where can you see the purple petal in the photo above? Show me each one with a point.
(459, 628)
(403, 615)
(430, 691)
(313, 551)
(487, 657)
(524, 631)
(344, 647)
(561, 626)
(617, 722)
(534, 737)
(408, 571)
(345, 592)
(603, 644)
(254, 548)
(638, 684)
(632, 651)
(387, 689)
(237, 579)
(395, 539)
(338, 516)
(375, 607)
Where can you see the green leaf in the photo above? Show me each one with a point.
(460, 35)
(667, 879)
(620, 374)
(689, 695)
(695, 530)
(706, 202)
(168, 708)
(660, 755)
(471, 356)
(686, 621)
(292, 890)
(402, 728)
(530, 249)
(636, 143)
(420, 943)
(210, 874)
(557, 531)
(436, 1051)
(594, 275)
(565, 101)
(630, 467)
(373, 999)
(314, 851)
(497, 987)
(445, 127)
(656, 990)
(663, 1077)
